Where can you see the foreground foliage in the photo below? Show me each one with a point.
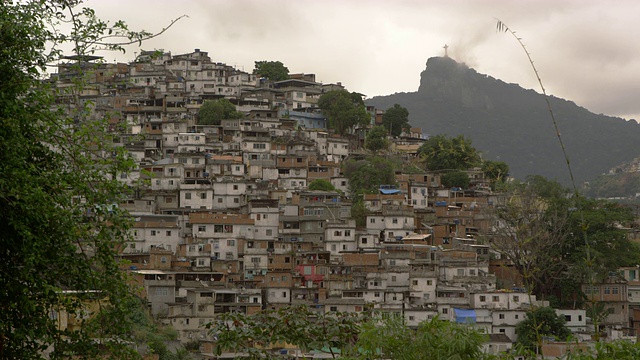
(58, 216)
(259, 336)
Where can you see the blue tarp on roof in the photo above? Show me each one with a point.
(464, 316)
(390, 191)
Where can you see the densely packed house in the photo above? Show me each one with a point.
(224, 220)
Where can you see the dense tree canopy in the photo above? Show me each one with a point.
(496, 171)
(322, 184)
(558, 241)
(445, 153)
(59, 225)
(539, 323)
(376, 138)
(213, 111)
(344, 110)
(272, 70)
(396, 120)
(455, 179)
(256, 335)
(366, 176)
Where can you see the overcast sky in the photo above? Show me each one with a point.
(586, 51)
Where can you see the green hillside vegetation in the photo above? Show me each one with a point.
(511, 124)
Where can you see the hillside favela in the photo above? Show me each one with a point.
(177, 207)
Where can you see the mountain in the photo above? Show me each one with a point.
(511, 124)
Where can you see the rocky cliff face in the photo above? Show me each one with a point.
(512, 124)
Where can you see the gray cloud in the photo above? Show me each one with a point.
(583, 49)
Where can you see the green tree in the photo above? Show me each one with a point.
(59, 224)
(496, 171)
(376, 138)
(531, 231)
(396, 120)
(539, 323)
(359, 212)
(322, 184)
(344, 110)
(602, 225)
(272, 70)
(389, 337)
(366, 176)
(444, 153)
(260, 335)
(455, 179)
(213, 111)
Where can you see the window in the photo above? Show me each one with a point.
(501, 316)
(168, 200)
(445, 311)
(364, 240)
(202, 228)
(495, 298)
(333, 308)
(483, 298)
(259, 146)
(162, 291)
(187, 196)
(460, 272)
(236, 200)
(269, 232)
(255, 260)
(376, 294)
(372, 220)
(231, 242)
(395, 220)
(502, 331)
(567, 318)
(607, 290)
(168, 232)
(153, 233)
(284, 278)
(219, 200)
(347, 233)
(516, 298)
(414, 282)
(614, 290)
(235, 187)
(393, 278)
(200, 262)
(195, 161)
(158, 182)
(429, 282)
(337, 233)
(203, 196)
